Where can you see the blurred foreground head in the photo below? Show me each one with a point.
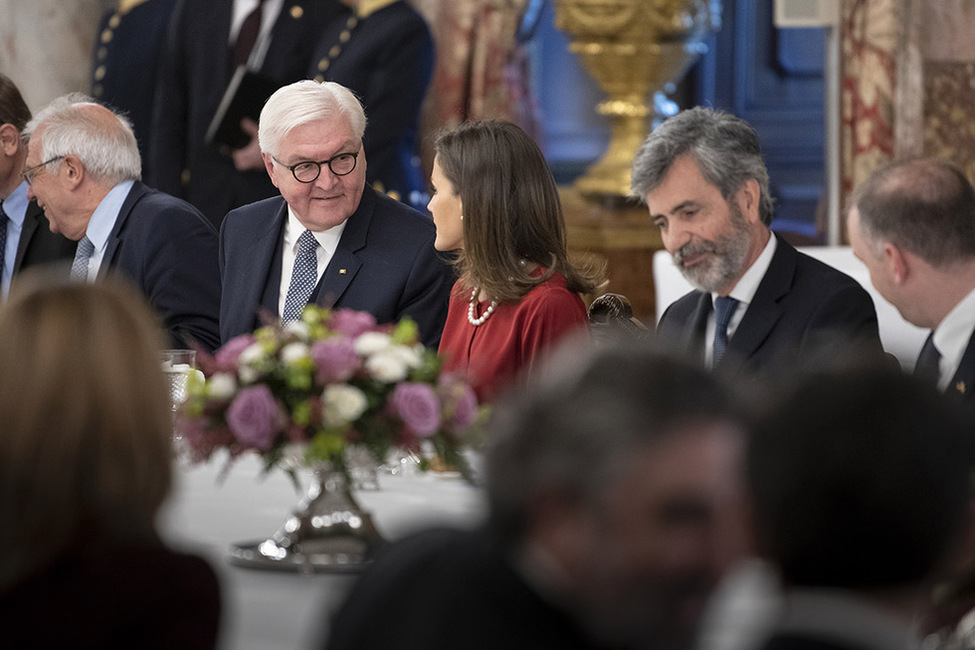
(86, 442)
(621, 468)
(860, 479)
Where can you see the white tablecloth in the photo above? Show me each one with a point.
(267, 610)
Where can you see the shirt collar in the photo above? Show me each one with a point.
(953, 334)
(744, 290)
(15, 205)
(367, 7)
(327, 239)
(106, 214)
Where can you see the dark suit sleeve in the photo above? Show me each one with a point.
(849, 316)
(182, 279)
(427, 294)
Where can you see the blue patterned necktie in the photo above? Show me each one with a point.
(928, 366)
(304, 277)
(724, 309)
(79, 268)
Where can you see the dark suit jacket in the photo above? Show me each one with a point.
(962, 385)
(387, 62)
(801, 305)
(169, 250)
(197, 65)
(38, 245)
(446, 589)
(385, 264)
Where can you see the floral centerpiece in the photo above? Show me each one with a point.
(307, 391)
(327, 381)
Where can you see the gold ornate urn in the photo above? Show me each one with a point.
(632, 48)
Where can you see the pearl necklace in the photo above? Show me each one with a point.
(477, 322)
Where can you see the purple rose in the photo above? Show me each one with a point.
(226, 356)
(335, 359)
(254, 417)
(351, 323)
(460, 401)
(417, 405)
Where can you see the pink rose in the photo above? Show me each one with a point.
(335, 359)
(417, 405)
(254, 417)
(226, 356)
(351, 323)
(460, 401)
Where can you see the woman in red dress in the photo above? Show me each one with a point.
(496, 204)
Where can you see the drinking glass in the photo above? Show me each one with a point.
(177, 365)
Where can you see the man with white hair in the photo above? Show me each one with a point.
(83, 168)
(328, 239)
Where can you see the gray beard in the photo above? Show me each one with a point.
(727, 263)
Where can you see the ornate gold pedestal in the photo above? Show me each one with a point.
(624, 238)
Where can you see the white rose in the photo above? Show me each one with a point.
(251, 355)
(410, 356)
(292, 353)
(371, 343)
(342, 404)
(299, 329)
(222, 386)
(387, 366)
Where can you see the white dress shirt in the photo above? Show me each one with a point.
(101, 223)
(269, 15)
(15, 207)
(744, 293)
(328, 241)
(952, 336)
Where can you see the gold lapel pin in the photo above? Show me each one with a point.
(960, 387)
(342, 272)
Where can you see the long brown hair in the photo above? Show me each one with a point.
(86, 445)
(512, 212)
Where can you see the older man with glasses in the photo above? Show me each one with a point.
(83, 169)
(328, 239)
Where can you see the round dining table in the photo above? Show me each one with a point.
(214, 505)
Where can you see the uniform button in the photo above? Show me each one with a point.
(297, 12)
(114, 21)
(107, 36)
(323, 65)
(334, 52)
(99, 73)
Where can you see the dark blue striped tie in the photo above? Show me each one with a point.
(724, 309)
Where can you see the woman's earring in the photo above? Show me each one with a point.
(461, 217)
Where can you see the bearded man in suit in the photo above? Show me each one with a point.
(25, 238)
(83, 169)
(329, 238)
(758, 302)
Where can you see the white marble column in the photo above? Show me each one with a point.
(46, 45)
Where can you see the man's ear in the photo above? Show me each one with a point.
(269, 166)
(72, 170)
(897, 262)
(10, 142)
(749, 197)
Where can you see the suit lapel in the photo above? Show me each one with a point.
(764, 311)
(116, 237)
(32, 221)
(963, 383)
(345, 263)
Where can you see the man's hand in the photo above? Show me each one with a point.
(248, 157)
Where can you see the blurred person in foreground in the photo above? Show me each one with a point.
(85, 464)
(329, 239)
(613, 492)
(495, 203)
(860, 481)
(83, 169)
(912, 224)
(757, 301)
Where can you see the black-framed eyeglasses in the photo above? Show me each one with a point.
(308, 171)
(29, 173)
